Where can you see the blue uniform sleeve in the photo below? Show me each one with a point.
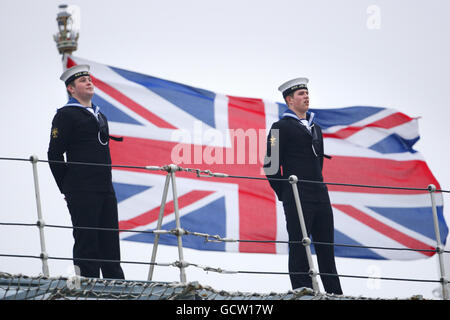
(273, 160)
(59, 139)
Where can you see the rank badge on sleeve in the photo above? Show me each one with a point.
(55, 133)
(273, 141)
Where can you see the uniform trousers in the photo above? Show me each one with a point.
(318, 218)
(95, 210)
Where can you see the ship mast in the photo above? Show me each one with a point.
(67, 37)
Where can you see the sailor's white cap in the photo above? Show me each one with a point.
(75, 72)
(293, 85)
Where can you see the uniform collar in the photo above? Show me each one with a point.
(75, 103)
(290, 113)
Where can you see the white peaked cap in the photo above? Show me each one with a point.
(75, 72)
(292, 85)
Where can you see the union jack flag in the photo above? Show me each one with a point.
(160, 119)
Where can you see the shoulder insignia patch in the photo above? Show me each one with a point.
(55, 133)
(273, 141)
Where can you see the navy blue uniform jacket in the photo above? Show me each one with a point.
(76, 132)
(301, 153)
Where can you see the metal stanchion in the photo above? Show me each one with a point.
(439, 248)
(158, 227)
(179, 231)
(40, 223)
(306, 241)
(171, 169)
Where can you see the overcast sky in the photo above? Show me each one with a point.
(355, 52)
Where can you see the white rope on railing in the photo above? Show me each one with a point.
(179, 232)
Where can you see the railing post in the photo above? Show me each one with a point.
(439, 248)
(306, 241)
(40, 223)
(179, 232)
(158, 227)
(171, 169)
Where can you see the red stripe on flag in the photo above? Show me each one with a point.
(343, 133)
(391, 121)
(70, 63)
(384, 229)
(123, 99)
(254, 224)
(388, 122)
(340, 169)
(377, 172)
(140, 110)
(152, 215)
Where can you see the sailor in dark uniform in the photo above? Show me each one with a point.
(297, 145)
(81, 131)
